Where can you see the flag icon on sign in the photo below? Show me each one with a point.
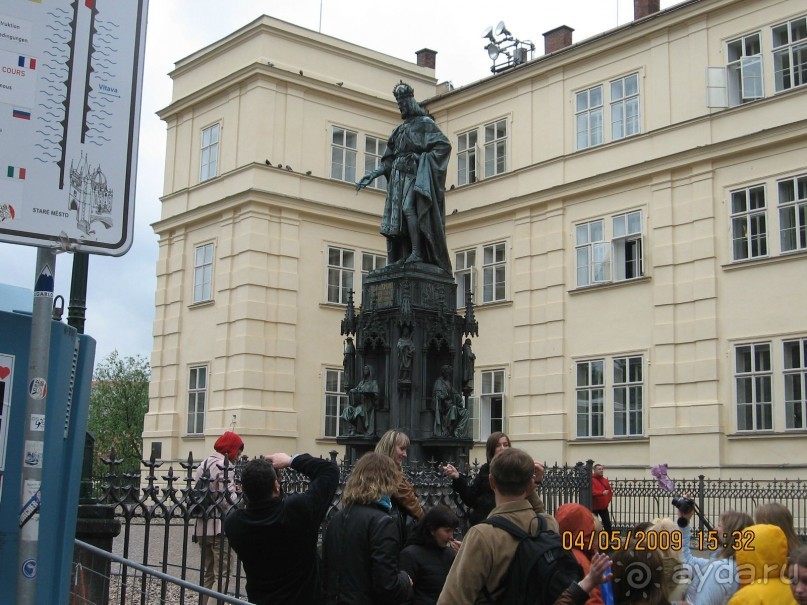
(22, 114)
(28, 62)
(15, 172)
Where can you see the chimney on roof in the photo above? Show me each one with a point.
(426, 57)
(557, 38)
(644, 8)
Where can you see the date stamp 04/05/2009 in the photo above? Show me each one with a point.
(657, 540)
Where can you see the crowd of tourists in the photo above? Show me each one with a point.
(383, 547)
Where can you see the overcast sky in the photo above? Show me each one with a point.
(120, 292)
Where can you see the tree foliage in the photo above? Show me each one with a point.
(118, 403)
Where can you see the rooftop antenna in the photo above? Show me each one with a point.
(320, 16)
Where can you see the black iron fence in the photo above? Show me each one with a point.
(158, 508)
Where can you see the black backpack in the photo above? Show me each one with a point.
(541, 568)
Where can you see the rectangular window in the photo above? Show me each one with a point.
(625, 107)
(465, 276)
(590, 398)
(748, 223)
(621, 399)
(588, 117)
(344, 145)
(203, 273)
(628, 396)
(593, 254)
(627, 246)
(744, 69)
(197, 399)
(371, 262)
(466, 158)
(790, 54)
(795, 374)
(209, 165)
(373, 152)
(335, 402)
(753, 382)
(793, 214)
(494, 272)
(340, 274)
(495, 148)
(491, 404)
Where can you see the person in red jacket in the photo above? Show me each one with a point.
(601, 497)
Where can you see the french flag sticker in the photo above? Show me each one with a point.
(27, 62)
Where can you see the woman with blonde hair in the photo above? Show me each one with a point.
(394, 444)
(774, 513)
(675, 578)
(362, 542)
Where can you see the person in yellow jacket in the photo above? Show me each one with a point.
(761, 566)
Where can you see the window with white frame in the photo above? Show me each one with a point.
(197, 399)
(790, 54)
(603, 257)
(744, 69)
(465, 276)
(371, 262)
(624, 409)
(495, 148)
(209, 162)
(749, 234)
(466, 157)
(753, 380)
(340, 274)
(373, 152)
(494, 272)
(625, 107)
(793, 214)
(343, 271)
(588, 117)
(335, 403)
(489, 417)
(795, 383)
(590, 391)
(493, 153)
(628, 391)
(203, 273)
(344, 146)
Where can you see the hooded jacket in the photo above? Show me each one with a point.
(762, 571)
(576, 525)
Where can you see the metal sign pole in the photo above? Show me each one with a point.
(34, 426)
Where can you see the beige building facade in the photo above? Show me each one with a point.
(630, 212)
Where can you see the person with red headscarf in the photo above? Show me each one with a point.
(208, 532)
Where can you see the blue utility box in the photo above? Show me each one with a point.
(65, 424)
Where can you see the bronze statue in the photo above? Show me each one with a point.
(362, 402)
(468, 357)
(349, 364)
(450, 413)
(415, 163)
(406, 353)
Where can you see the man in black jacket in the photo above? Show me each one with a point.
(275, 536)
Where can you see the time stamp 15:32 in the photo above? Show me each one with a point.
(658, 540)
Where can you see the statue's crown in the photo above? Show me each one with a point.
(402, 90)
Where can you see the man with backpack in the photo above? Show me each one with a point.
(493, 566)
(215, 555)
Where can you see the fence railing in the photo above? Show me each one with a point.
(158, 509)
(126, 581)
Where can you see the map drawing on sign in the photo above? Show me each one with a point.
(70, 80)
